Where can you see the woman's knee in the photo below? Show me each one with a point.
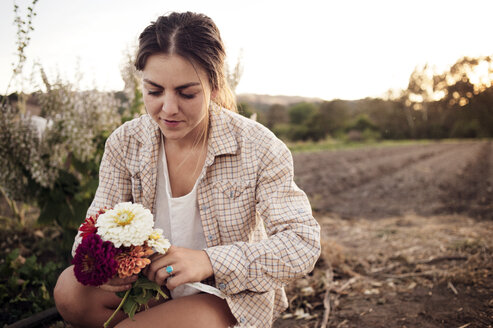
(202, 310)
(83, 305)
(61, 293)
(65, 295)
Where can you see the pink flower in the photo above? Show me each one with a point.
(94, 261)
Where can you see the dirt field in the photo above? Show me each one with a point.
(407, 237)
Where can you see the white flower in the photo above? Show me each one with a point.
(158, 242)
(126, 224)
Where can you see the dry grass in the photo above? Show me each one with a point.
(376, 261)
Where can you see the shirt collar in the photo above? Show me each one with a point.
(147, 132)
(221, 140)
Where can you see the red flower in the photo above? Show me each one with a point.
(89, 226)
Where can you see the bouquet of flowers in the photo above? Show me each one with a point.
(118, 241)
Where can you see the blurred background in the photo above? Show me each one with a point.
(324, 49)
(387, 107)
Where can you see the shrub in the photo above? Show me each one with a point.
(25, 286)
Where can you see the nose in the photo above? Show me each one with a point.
(170, 104)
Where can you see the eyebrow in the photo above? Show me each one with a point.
(181, 87)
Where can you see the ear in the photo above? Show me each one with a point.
(214, 94)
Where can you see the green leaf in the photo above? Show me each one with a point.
(136, 290)
(143, 298)
(130, 307)
(143, 282)
(44, 292)
(142, 291)
(127, 306)
(13, 255)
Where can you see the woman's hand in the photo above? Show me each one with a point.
(188, 265)
(117, 284)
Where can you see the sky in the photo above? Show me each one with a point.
(314, 48)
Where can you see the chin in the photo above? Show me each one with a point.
(172, 135)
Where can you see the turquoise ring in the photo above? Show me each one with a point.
(169, 269)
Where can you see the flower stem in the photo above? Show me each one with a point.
(118, 308)
(160, 292)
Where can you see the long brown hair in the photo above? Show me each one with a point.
(194, 37)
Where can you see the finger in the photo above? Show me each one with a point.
(155, 256)
(117, 281)
(156, 266)
(162, 275)
(177, 280)
(131, 279)
(126, 280)
(172, 283)
(115, 289)
(153, 268)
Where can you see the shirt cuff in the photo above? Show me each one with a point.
(230, 268)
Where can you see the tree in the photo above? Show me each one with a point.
(233, 76)
(333, 115)
(245, 109)
(276, 114)
(304, 123)
(436, 105)
(361, 123)
(301, 113)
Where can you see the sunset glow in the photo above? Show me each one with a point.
(347, 50)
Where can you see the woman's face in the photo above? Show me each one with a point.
(176, 96)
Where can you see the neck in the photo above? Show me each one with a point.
(187, 145)
(195, 140)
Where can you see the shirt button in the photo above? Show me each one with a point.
(231, 194)
(300, 210)
(242, 320)
(210, 237)
(139, 187)
(204, 207)
(222, 286)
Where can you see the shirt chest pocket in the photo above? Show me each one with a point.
(234, 202)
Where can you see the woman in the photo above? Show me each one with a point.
(220, 186)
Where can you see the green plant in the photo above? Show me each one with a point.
(24, 28)
(131, 101)
(25, 286)
(52, 161)
(55, 165)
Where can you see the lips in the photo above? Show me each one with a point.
(170, 123)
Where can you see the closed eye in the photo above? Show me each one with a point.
(187, 95)
(154, 93)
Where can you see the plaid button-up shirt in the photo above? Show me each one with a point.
(257, 223)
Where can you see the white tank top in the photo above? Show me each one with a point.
(179, 217)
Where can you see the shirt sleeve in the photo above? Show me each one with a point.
(115, 184)
(293, 245)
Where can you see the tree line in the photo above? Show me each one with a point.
(457, 103)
